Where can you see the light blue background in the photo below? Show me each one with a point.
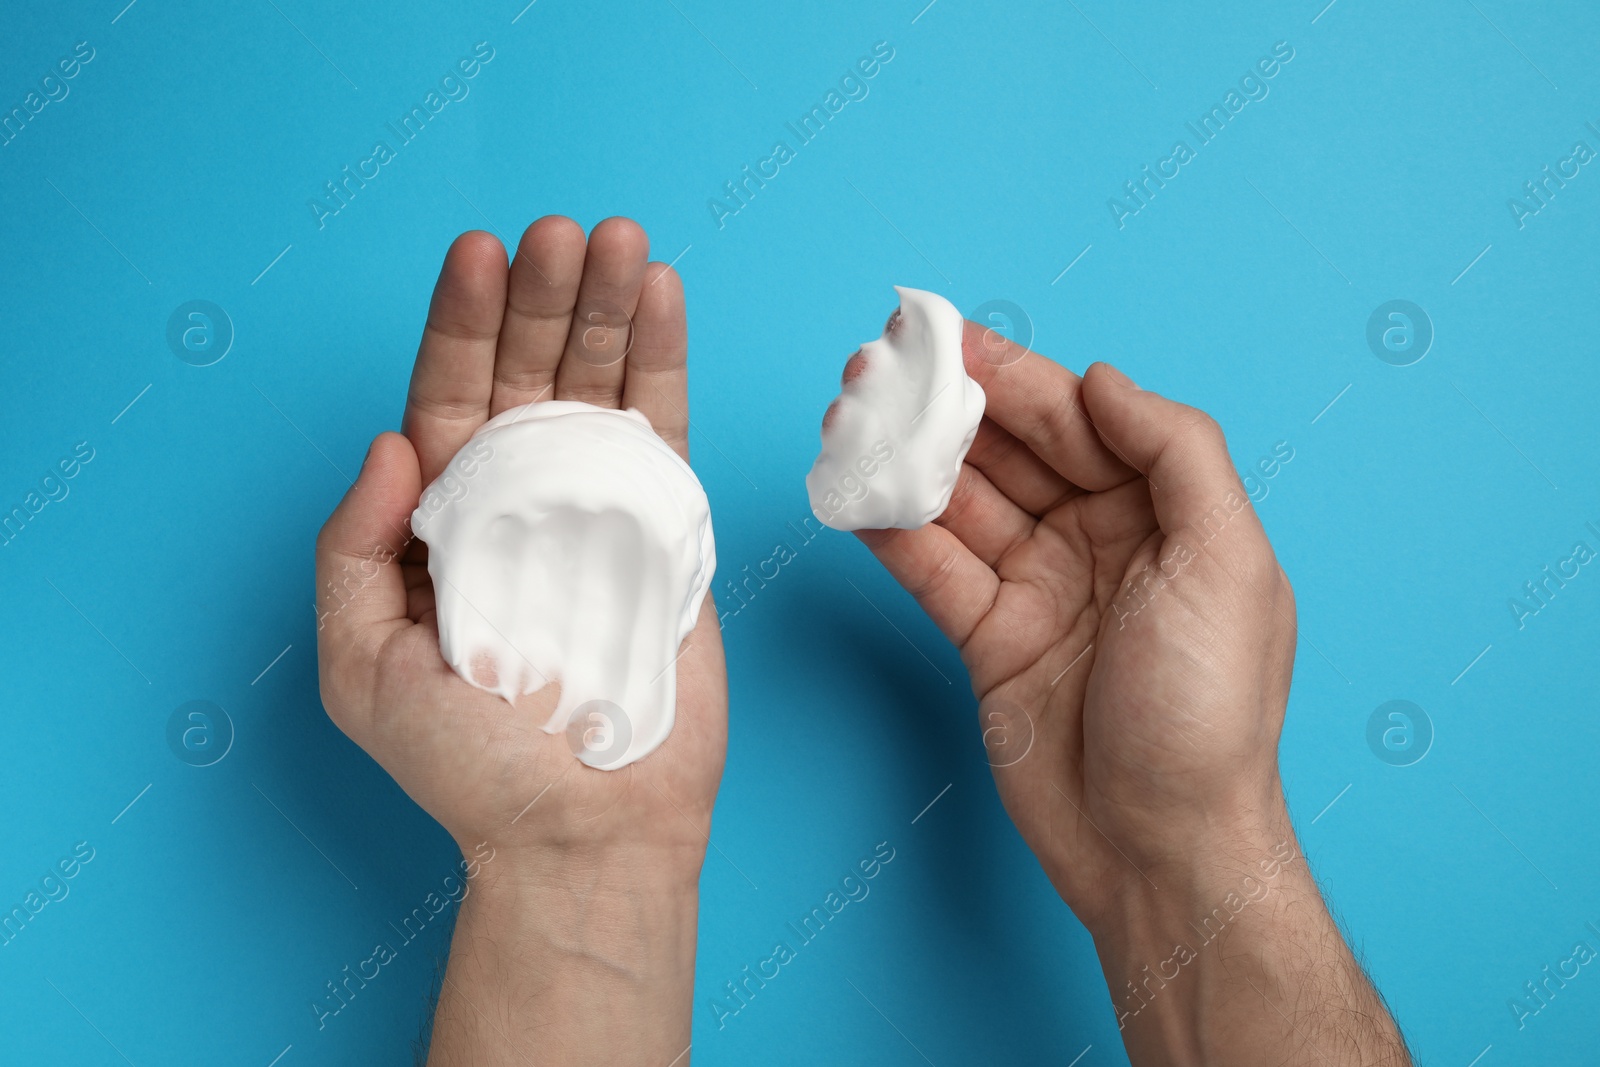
(979, 166)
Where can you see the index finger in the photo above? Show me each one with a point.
(1181, 451)
(453, 379)
(1040, 402)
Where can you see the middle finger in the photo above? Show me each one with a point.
(592, 365)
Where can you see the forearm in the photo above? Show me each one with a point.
(576, 959)
(1235, 960)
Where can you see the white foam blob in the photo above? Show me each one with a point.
(893, 442)
(568, 543)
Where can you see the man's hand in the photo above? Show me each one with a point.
(589, 896)
(1130, 638)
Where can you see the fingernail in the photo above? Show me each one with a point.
(1118, 377)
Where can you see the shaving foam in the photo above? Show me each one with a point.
(893, 441)
(569, 544)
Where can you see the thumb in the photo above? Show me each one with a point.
(359, 585)
(1179, 449)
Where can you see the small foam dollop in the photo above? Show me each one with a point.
(568, 543)
(893, 442)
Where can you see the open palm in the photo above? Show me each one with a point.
(569, 319)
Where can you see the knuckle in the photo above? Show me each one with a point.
(449, 409)
(1197, 426)
(1053, 417)
(934, 580)
(459, 327)
(992, 449)
(1285, 589)
(963, 499)
(1262, 570)
(521, 378)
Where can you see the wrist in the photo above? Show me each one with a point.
(632, 910)
(1178, 953)
(1180, 897)
(579, 870)
(585, 955)
(1163, 851)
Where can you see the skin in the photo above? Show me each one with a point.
(1130, 638)
(1128, 631)
(575, 941)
